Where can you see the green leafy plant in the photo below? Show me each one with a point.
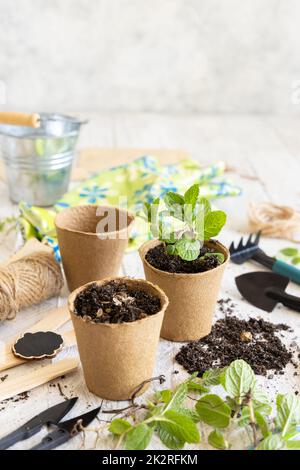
(240, 404)
(186, 222)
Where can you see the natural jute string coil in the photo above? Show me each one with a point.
(275, 221)
(28, 281)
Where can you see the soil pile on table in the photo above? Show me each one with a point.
(160, 259)
(115, 302)
(254, 340)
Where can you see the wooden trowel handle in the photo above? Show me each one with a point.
(20, 119)
(288, 300)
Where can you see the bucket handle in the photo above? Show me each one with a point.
(20, 119)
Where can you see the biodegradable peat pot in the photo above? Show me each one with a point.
(117, 357)
(192, 297)
(86, 255)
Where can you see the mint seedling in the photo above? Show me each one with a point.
(185, 224)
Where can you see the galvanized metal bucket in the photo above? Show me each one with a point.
(39, 160)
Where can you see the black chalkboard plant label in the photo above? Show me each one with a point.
(38, 345)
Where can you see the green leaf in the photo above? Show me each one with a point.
(213, 411)
(191, 195)
(139, 437)
(289, 252)
(188, 250)
(239, 380)
(220, 256)
(168, 438)
(217, 440)
(262, 424)
(293, 445)
(181, 426)
(164, 395)
(204, 206)
(175, 203)
(211, 377)
(273, 442)
(190, 413)
(197, 387)
(119, 426)
(178, 397)
(296, 260)
(213, 224)
(171, 249)
(288, 412)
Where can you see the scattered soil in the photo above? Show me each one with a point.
(115, 302)
(4, 377)
(254, 340)
(16, 399)
(226, 306)
(160, 259)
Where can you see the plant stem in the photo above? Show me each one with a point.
(252, 423)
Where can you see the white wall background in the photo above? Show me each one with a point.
(150, 55)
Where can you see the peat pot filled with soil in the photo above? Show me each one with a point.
(92, 240)
(192, 287)
(117, 322)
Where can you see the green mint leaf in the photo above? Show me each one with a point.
(220, 256)
(139, 437)
(178, 397)
(164, 395)
(168, 438)
(289, 252)
(204, 206)
(192, 414)
(288, 412)
(213, 224)
(171, 249)
(293, 445)
(273, 442)
(197, 387)
(214, 411)
(191, 195)
(262, 424)
(181, 426)
(188, 250)
(211, 377)
(239, 379)
(119, 426)
(296, 260)
(217, 440)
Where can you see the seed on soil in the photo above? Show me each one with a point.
(160, 259)
(246, 336)
(265, 352)
(115, 302)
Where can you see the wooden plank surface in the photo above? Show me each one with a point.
(262, 155)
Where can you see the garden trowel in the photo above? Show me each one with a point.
(265, 289)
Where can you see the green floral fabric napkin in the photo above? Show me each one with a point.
(138, 182)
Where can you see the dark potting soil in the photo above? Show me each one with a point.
(254, 341)
(115, 302)
(160, 259)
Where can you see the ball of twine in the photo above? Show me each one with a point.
(28, 281)
(275, 221)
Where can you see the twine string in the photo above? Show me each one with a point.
(275, 221)
(28, 281)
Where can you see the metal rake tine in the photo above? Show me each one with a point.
(231, 248)
(257, 238)
(240, 245)
(249, 241)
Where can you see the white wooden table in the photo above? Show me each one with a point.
(264, 155)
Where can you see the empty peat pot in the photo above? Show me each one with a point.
(117, 357)
(192, 297)
(92, 240)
